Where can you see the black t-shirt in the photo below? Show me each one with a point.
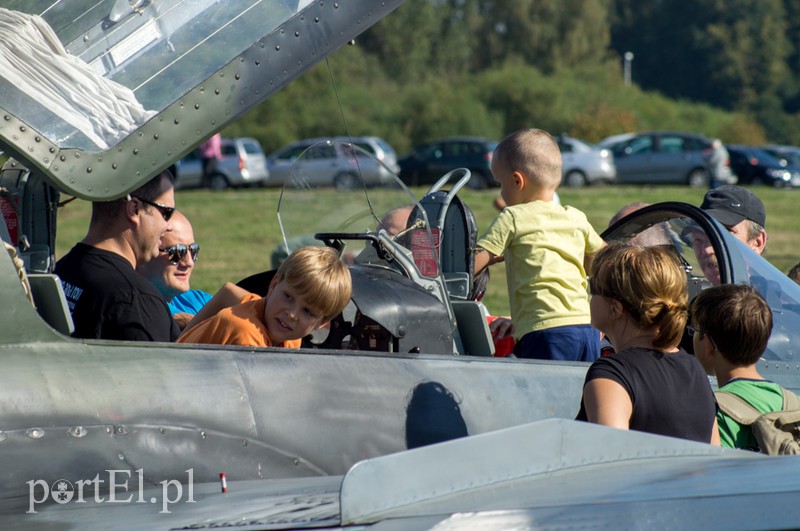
(110, 300)
(671, 393)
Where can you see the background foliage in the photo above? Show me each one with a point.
(724, 68)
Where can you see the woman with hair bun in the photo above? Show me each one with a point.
(639, 301)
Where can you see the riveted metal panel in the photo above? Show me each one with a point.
(248, 79)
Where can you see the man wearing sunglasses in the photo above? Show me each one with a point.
(171, 271)
(106, 296)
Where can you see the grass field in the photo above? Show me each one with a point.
(238, 229)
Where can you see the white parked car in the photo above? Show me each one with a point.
(584, 164)
(243, 163)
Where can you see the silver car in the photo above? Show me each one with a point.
(331, 162)
(583, 164)
(243, 163)
(377, 147)
(663, 157)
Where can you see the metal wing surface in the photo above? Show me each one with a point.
(560, 474)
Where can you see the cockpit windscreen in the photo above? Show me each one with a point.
(85, 73)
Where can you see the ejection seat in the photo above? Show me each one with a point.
(32, 239)
(455, 233)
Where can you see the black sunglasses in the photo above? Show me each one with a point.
(176, 253)
(692, 330)
(166, 211)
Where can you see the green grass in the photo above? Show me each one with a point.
(238, 229)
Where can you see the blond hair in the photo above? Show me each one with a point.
(534, 153)
(649, 282)
(319, 276)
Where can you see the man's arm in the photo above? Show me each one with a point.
(228, 295)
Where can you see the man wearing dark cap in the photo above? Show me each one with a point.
(741, 212)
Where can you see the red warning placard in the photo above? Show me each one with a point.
(425, 256)
(11, 219)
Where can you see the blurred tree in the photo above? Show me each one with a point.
(433, 111)
(585, 33)
(487, 67)
(548, 34)
(520, 95)
(791, 97)
(725, 52)
(424, 38)
(741, 55)
(600, 120)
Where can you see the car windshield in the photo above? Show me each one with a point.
(765, 157)
(251, 148)
(85, 73)
(384, 146)
(787, 157)
(642, 144)
(578, 146)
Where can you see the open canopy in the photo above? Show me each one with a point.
(102, 95)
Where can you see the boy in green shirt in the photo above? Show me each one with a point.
(731, 325)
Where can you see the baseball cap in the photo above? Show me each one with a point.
(730, 204)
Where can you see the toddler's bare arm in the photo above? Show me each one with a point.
(587, 261)
(484, 258)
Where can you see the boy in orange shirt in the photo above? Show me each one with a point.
(310, 288)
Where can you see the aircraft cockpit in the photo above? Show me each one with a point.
(711, 256)
(99, 96)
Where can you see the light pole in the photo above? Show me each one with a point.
(628, 57)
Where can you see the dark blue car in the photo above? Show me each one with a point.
(428, 162)
(753, 165)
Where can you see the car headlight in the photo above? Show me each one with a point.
(779, 174)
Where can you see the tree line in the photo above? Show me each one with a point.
(432, 68)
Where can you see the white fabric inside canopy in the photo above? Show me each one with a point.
(34, 60)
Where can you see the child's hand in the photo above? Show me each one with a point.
(501, 327)
(182, 319)
(496, 259)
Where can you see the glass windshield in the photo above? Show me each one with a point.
(338, 190)
(712, 257)
(783, 297)
(694, 248)
(86, 72)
